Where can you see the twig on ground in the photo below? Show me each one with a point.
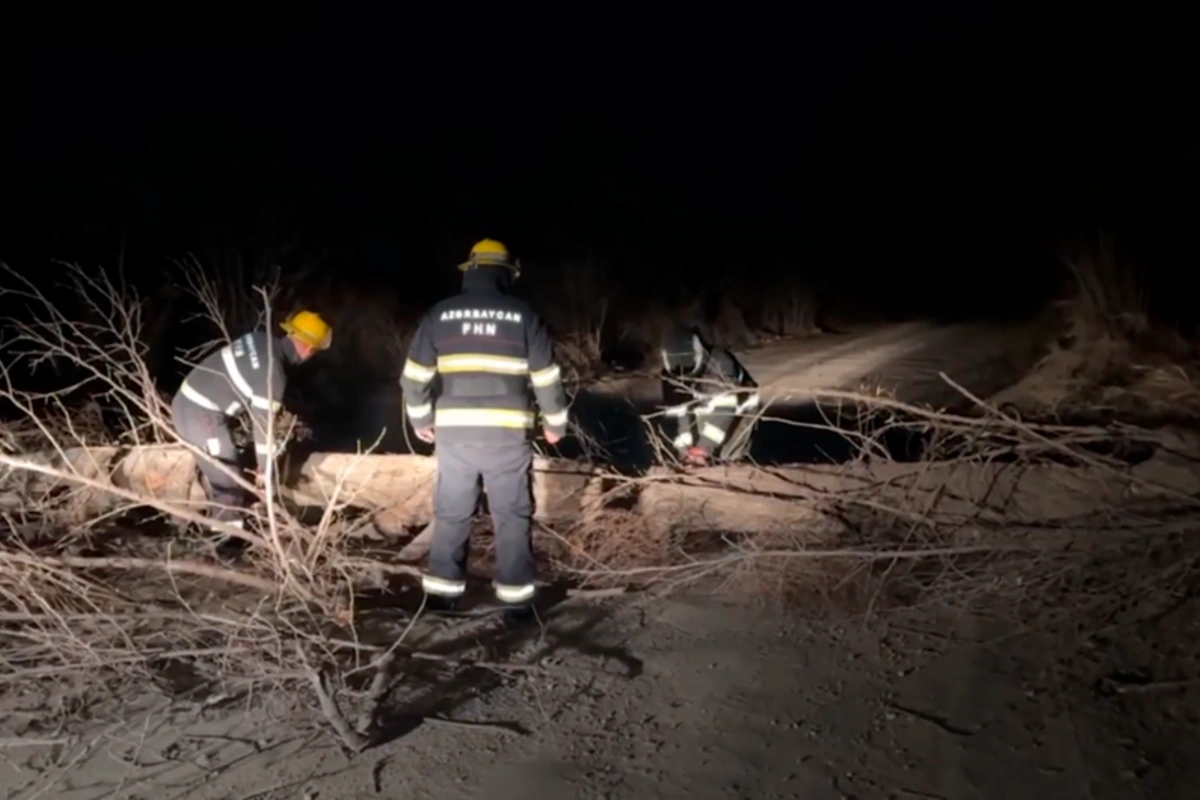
(329, 707)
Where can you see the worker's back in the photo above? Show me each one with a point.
(483, 344)
(244, 374)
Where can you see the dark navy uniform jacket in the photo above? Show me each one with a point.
(479, 363)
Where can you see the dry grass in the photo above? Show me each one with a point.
(1112, 362)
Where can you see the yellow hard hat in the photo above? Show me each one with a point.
(489, 252)
(310, 328)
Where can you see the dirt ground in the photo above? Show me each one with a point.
(640, 698)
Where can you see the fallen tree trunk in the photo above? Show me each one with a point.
(398, 488)
(816, 498)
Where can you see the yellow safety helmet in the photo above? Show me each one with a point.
(490, 253)
(310, 328)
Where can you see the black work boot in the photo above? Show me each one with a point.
(226, 546)
(437, 604)
(518, 614)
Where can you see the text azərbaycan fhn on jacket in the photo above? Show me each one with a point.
(707, 395)
(245, 375)
(490, 352)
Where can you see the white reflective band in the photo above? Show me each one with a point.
(483, 417)
(213, 446)
(191, 394)
(683, 440)
(263, 449)
(242, 385)
(238, 523)
(442, 587)
(557, 418)
(419, 412)
(677, 411)
(417, 372)
(234, 408)
(712, 433)
(722, 401)
(514, 594)
(472, 362)
(546, 377)
(749, 403)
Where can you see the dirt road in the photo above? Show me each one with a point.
(688, 699)
(905, 358)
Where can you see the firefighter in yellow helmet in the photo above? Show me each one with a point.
(494, 357)
(247, 376)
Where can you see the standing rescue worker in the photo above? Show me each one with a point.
(246, 375)
(706, 392)
(493, 357)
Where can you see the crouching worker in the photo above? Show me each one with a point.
(248, 376)
(494, 360)
(708, 396)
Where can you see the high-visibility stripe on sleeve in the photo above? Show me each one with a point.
(264, 449)
(546, 377)
(479, 362)
(418, 372)
(683, 440)
(442, 587)
(712, 433)
(677, 411)
(243, 386)
(721, 401)
(483, 418)
(749, 403)
(191, 393)
(557, 418)
(419, 412)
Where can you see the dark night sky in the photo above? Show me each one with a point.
(914, 145)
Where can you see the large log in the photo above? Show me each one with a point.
(747, 499)
(398, 488)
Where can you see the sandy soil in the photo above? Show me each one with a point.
(650, 699)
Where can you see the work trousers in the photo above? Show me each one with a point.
(505, 473)
(209, 431)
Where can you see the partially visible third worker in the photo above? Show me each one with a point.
(247, 376)
(494, 358)
(707, 394)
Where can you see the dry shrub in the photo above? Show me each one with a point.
(610, 544)
(1112, 361)
(789, 310)
(282, 620)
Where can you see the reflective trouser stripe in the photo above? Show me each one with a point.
(514, 594)
(442, 587)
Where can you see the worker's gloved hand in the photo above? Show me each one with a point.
(695, 457)
(425, 435)
(551, 436)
